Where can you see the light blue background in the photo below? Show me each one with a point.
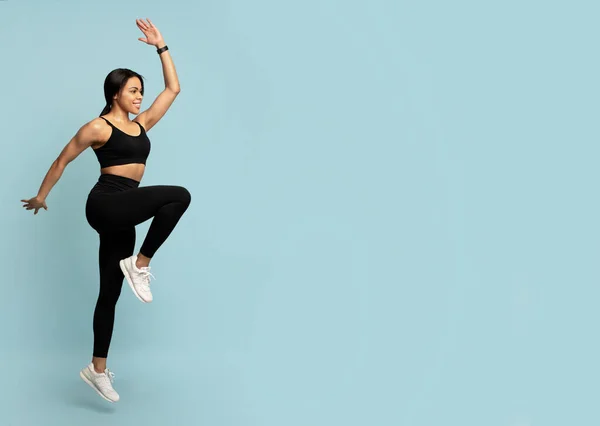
(394, 217)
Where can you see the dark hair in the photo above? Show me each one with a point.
(114, 82)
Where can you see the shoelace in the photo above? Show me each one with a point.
(107, 375)
(146, 274)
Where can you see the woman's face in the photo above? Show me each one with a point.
(130, 97)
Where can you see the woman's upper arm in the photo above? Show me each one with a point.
(85, 137)
(157, 110)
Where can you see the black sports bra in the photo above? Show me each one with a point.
(122, 148)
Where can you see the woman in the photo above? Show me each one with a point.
(116, 204)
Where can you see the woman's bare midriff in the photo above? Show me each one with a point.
(131, 171)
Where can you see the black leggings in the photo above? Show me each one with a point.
(115, 205)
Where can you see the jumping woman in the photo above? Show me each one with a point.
(117, 203)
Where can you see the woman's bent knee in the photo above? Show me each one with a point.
(184, 195)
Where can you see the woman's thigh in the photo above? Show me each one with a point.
(131, 207)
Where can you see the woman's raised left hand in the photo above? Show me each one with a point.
(153, 36)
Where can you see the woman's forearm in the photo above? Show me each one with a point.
(168, 67)
(53, 175)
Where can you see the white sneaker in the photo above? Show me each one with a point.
(100, 382)
(138, 279)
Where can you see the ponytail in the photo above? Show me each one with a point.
(105, 110)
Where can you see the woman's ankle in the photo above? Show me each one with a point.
(99, 364)
(142, 261)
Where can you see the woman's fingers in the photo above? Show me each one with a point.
(143, 26)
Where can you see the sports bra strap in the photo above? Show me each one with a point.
(107, 121)
(112, 125)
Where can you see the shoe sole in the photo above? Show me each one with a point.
(89, 382)
(129, 281)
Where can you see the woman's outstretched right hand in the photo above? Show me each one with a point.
(35, 203)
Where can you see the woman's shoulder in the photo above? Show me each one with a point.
(96, 131)
(97, 124)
